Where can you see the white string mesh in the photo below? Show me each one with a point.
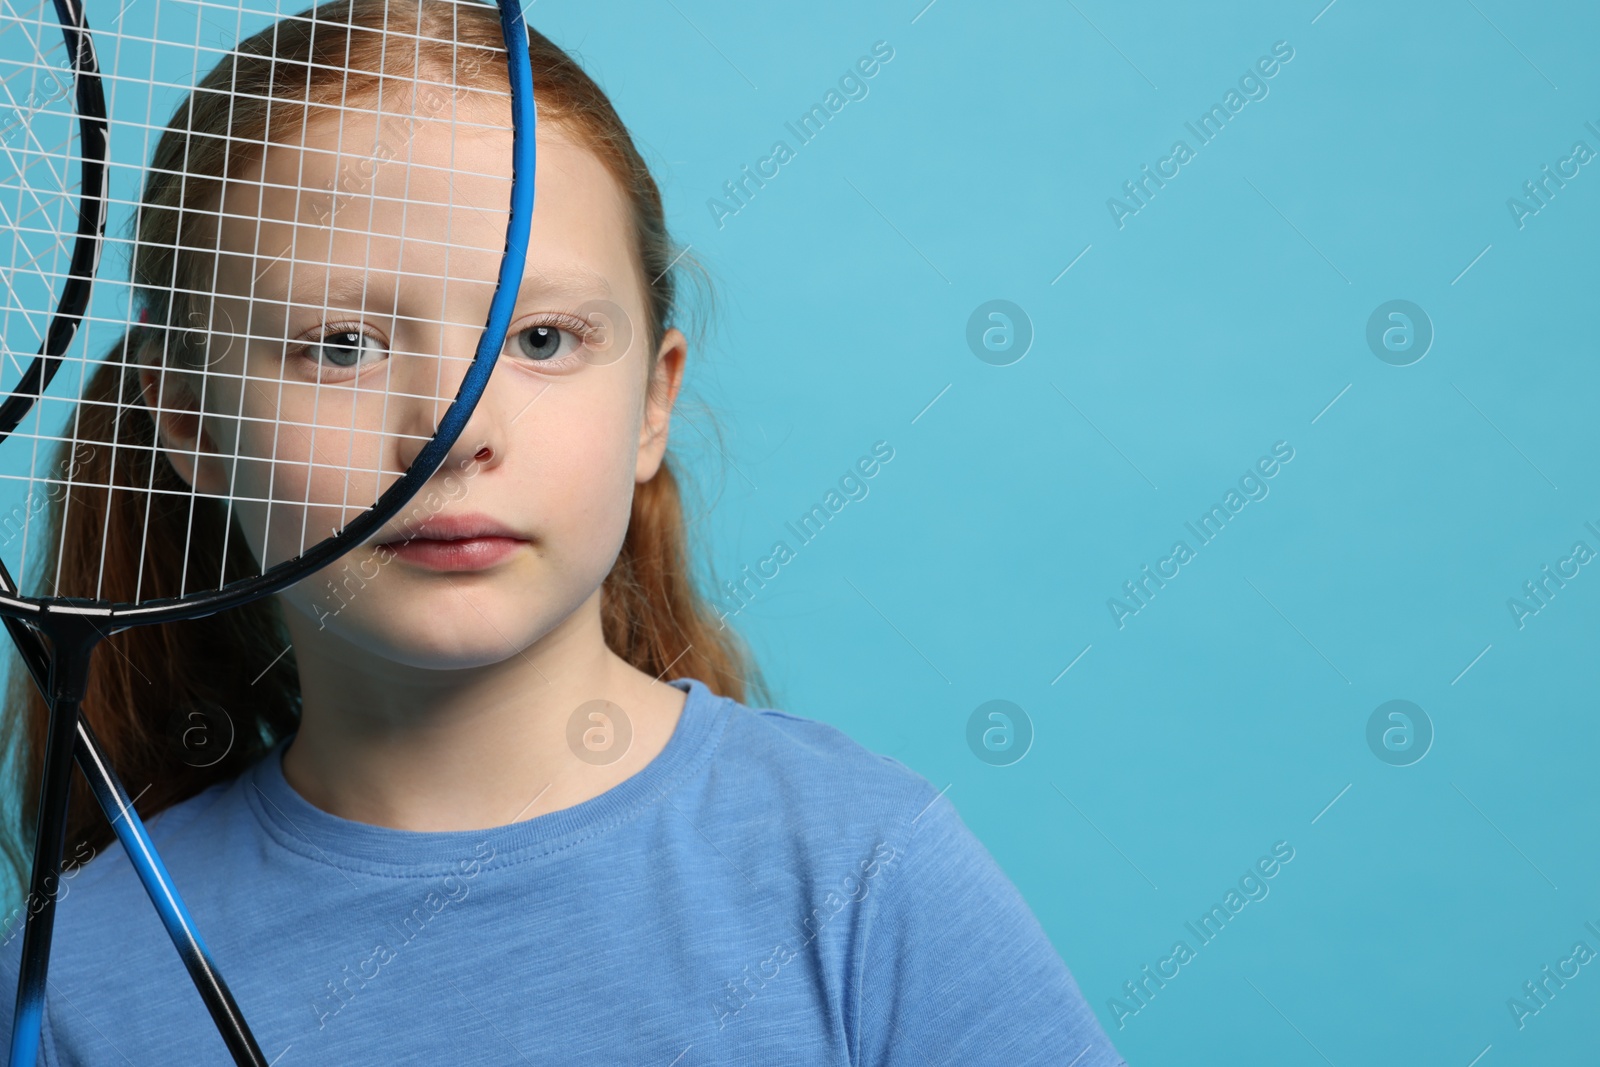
(343, 191)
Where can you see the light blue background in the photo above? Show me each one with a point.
(1231, 713)
(1222, 318)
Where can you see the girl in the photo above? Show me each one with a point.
(487, 790)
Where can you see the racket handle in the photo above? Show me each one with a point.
(73, 647)
(118, 808)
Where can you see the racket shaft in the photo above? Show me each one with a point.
(114, 801)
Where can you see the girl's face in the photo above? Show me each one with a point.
(351, 288)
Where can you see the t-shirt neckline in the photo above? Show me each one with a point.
(297, 824)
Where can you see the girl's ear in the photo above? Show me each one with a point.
(660, 394)
(180, 433)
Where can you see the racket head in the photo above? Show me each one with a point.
(343, 194)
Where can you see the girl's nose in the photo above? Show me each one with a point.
(429, 385)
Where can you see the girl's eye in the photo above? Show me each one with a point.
(547, 344)
(344, 349)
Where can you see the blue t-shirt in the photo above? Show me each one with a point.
(764, 891)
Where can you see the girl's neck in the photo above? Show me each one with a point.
(429, 750)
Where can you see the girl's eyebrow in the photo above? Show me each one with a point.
(322, 285)
(564, 279)
(339, 286)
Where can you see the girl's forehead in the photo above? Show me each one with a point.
(383, 163)
(424, 196)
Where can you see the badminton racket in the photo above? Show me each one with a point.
(307, 446)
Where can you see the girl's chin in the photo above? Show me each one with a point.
(423, 651)
(421, 633)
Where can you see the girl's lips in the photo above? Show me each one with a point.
(465, 554)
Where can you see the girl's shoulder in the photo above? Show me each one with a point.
(885, 862)
(814, 761)
(802, 793)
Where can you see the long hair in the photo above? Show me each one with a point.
(156, 685)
